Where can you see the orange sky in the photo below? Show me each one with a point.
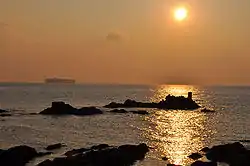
(125, 41)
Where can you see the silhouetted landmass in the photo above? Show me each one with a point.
(60, 108)
(170, 102)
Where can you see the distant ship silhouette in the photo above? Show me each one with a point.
(59, 81)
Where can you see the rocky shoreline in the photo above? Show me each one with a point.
(124, 155)
(233, 154)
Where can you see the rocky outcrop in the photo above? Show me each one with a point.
(170, 102)
(102, 155)
(234, 154)
(60, 108)
(17, 156)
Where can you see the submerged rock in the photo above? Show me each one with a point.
(205, 110)
(17, 156)
(201, 163)
(164, 158)
(206, 149)
(54, 146)
(122, 111)
(170, 102)
(60, 108)
(195, 156)
(4, 114)
(140, 112)
(101, 155)
(2, 111)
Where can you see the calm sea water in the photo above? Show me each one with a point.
(174, 134)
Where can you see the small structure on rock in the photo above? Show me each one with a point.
(170, 102)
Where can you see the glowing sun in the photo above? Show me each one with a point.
(180, 14)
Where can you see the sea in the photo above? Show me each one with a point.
(174, 134)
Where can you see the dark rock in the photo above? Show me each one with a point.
(60, 108)
(17, 156)
(234, 154)
(99, 147)
(54, 146)
(140, 112)
(195, 156)
(4, 115)
(201, 163)
(119, 111)
(164, 158)
(76, 151)
(205, 110)
(41, 154)
(2, 111)
(171, 102)
(206, 149)
(245, 141)
(88, 111)
(124, 155)
(46, 163)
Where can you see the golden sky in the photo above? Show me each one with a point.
(125, 41)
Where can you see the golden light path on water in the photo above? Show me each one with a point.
(176, 133)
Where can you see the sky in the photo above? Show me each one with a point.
(125, 41)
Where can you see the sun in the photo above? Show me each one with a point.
(180, 13)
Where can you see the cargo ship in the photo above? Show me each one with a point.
(59, 81)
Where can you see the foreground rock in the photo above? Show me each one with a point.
(18, 156)
(170, 102)
(101, 155)
(234, 154)
(60, 108)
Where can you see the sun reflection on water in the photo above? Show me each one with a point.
(176, 133)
